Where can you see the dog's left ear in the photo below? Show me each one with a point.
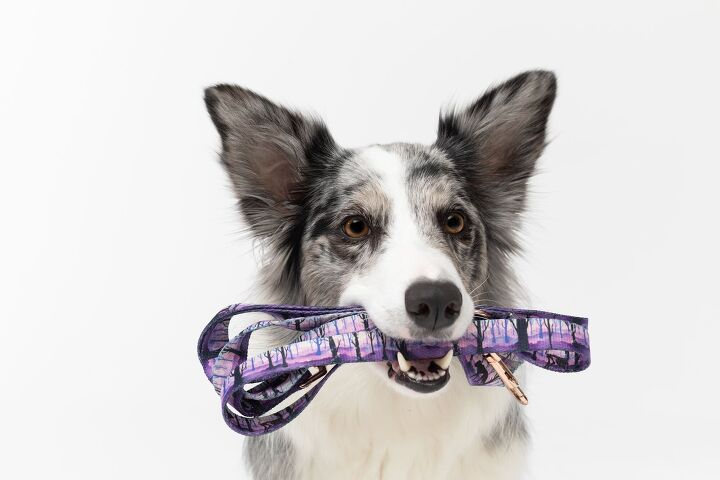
(498, 138)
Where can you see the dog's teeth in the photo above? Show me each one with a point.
(412, 375)
(404, 365)
(444, 362)
(442, 373)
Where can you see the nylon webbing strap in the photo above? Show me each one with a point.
(332, 336)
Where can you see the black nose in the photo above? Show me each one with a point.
(433, 305)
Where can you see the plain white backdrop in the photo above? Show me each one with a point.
(120, 240)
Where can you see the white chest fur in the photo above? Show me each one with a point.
(357, 427)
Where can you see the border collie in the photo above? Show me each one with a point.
(416, 234)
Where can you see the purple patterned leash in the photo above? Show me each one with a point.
(496, 343)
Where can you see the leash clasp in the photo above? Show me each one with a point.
(506, 376)
(321, 372)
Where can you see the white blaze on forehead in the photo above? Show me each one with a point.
(406, 255)
(403, 232)
(392, 174)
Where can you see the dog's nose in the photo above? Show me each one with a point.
(433, 305)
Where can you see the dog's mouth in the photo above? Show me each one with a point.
(423, 376)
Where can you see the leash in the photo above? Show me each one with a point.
(497, 341)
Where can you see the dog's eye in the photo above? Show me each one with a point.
(454, 223)
(356, 227)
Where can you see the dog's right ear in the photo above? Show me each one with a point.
(266, 150)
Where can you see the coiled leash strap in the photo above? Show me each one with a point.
(496, 343)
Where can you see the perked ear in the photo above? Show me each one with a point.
(498, 138)
(266, 150)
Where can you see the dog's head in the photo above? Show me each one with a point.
(415, 234)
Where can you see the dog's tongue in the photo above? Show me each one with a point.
(423, 365)
(435, 366)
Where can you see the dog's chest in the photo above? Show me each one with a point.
(358, 428)
(360, 461)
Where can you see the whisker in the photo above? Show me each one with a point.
(480, 300)
(477, 298)
(481, 284)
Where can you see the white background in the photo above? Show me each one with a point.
(120, 240)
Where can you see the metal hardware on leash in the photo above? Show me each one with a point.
(506, 376)
(321, 372)
(502, 370)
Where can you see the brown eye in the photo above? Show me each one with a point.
(356, 227)
(454, 223)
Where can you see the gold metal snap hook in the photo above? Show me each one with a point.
(481, 313)
(506, 376)
(321, 372)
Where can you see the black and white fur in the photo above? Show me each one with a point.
(295, 186)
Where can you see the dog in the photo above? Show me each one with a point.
(415, 234)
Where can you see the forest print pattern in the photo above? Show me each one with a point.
(337, 335)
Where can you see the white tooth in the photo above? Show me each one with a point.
(444, 362)
(442, 373)
(435, 376)
(404, 365)
(412, 375)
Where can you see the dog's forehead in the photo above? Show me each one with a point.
(389, 164)
(377, 163)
